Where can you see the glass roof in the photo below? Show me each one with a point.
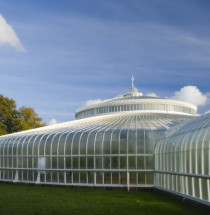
(113, 121)
(191, 125)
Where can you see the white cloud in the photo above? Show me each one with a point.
(8, 36)
(92, 102)
(192, 95)
(152, 95)
(53, 121)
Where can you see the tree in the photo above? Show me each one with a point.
(9, 116)
(2, 129)
(13, 120)
(30, 119)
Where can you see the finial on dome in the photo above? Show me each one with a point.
(132, 80)
(133, 91)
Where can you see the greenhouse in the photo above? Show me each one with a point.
(112, 150)
(182, 158)
(130, 141)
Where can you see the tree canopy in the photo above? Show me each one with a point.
(14, 120)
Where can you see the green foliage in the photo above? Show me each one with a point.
(13, 120)
(30, 119)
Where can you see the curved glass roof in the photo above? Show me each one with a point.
(189, 126)
(127, 120)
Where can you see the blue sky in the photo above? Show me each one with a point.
(69, 52)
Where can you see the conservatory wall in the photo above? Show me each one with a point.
(182, 160)
(112, 150)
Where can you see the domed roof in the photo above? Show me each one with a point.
(134, 100)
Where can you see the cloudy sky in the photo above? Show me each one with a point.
(57, 55)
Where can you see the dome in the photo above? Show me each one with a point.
(133, 100)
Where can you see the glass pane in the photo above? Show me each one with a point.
(107, 138)
(90, 177)
(141, 178)
(83, 177)
(123, 142)
(133, 178)
(98, 144)
(115, 142)
(99, 178)
(91, 140)
(140, 142)
(132, 142)
(90, 162)
(123, 162)
(114, 161)
(115, 178)
(140, 162)
(149, 142)
(98, 162)
(150, 178)
(107, 178)
(149, 162)
(132, 162)
(123, 178)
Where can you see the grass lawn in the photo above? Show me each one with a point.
(22, 199)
